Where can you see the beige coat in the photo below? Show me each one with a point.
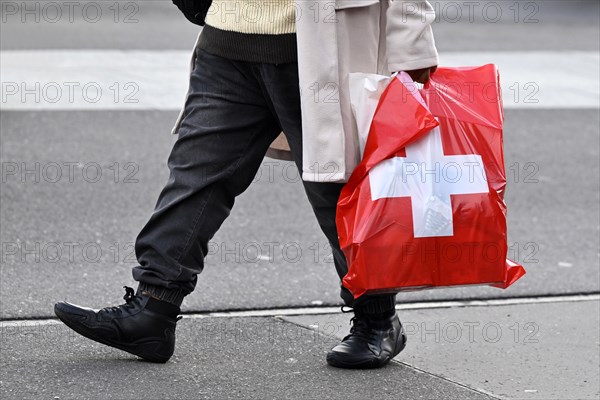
(339, 37)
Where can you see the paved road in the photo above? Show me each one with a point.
(79, 181)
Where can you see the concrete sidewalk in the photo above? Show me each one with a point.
(538, 350)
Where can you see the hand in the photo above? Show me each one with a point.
(421, 75)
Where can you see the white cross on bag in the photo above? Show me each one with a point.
(429, 177)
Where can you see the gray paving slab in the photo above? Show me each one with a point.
(481, 25)
(532, 351)
(249, 358)
(73, 240)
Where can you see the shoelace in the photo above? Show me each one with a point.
(129, 298)
(360, 326)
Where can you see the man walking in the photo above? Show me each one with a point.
(261, 67)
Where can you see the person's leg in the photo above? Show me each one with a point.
(226, 130)
(376, 325)
(284, 96)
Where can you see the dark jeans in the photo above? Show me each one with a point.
(234, 111)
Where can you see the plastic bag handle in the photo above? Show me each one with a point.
(411, 85)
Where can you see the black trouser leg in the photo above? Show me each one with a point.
(225, 133)
(234, 112)
(284, 96)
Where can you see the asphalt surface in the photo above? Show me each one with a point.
(74, 240)
(155, 24)
(77, 186)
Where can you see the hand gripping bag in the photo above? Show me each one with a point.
(425, 207)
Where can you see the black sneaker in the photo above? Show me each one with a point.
(372, 343)
(143, 326)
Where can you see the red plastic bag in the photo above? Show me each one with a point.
(425, 207)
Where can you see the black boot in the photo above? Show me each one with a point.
(143, 326)
(372, 342)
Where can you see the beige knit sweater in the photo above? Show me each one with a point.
(274, 17)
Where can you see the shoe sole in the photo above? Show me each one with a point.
(145, 349)
(348, 362)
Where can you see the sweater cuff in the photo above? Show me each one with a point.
(415, 64)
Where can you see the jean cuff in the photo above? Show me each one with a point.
(375, 304)
(173, 296)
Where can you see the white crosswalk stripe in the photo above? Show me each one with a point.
(147, 80)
